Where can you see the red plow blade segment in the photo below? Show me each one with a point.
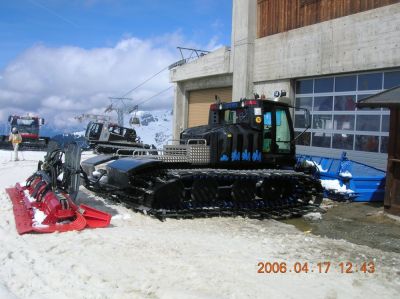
(57, 219)
(78, 224)
(45, 203)
(22, 214)
(95, 218)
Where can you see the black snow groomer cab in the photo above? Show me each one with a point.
(105, 137)
(247, 134)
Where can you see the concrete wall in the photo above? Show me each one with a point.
(210, 71)
(212, 64)
(181, 101)
(363, 41)
(268, 88)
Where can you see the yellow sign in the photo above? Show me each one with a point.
(258, 119)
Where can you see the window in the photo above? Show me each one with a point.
(230, 116)
(345, 103)
(300, 121)
(367, 143)
(26, 122)
(235, 116)
(323, 85)
(343, 141)
(336, 121)
(304, 86)
(322, 122)
(323, 103)
(370, 81)
(343, 122)
(304, 139)
(384, 144)
(116, 130)
(368, 123)
(321, 139)
(267, 134)
(304, 103)
(345, 83)
(392, 79)
(385, 123)
(363, 96)
(95, 130)
(282, 131)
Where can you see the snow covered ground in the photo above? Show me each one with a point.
(140, 257)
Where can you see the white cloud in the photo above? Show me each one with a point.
(59, 83)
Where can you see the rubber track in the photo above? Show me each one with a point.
(286, 206)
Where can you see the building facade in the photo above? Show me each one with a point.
(326, 54)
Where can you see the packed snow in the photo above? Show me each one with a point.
(336, 186)
(345, 174)
(315, 164)
(141, 257)
(314, 216)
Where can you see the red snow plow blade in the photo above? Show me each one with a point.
(37, 208)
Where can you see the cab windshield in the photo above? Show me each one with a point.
(26, 126)
(24, 122)
(234, 116)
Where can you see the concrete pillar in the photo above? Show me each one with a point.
(180, 111)
(244, 29)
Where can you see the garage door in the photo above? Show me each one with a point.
(200, 101)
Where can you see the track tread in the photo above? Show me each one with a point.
(286, 206)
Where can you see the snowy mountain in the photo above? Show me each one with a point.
(47, 130)
(65, 139)
(155, 127)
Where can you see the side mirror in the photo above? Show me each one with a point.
(307, 123)
(307, 118)
(42, 121)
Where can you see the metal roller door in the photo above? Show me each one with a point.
(200, 101)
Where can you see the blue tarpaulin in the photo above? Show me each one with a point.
(366, 182)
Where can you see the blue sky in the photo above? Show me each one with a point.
(97, 23)
(62, 58)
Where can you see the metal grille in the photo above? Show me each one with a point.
(199, 154)
(196, 154)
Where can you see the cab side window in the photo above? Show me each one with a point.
(267, 132)
(282, 131)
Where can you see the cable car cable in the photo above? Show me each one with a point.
(145, 81)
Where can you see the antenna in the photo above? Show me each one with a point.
(197, 52)
(188, 54)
